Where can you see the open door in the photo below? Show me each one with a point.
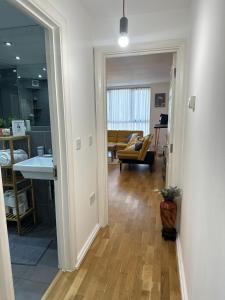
(169, 148)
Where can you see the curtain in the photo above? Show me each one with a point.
(129, 109)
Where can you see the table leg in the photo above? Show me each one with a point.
(157, 131)
(114, 153)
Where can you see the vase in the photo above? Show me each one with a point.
(168, 213)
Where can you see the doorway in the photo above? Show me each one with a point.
(139, 99)
(133, 201)
(36, 105)
(26, 142)
(101, 56)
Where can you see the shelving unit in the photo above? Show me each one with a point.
(13, 180)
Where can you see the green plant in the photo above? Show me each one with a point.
(9, 121)
(170, 193)
(2, 123)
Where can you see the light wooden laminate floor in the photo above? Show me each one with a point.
(128, 259)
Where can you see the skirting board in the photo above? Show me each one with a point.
(87, 245)
(183, 284)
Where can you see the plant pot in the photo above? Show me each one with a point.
(168, 213)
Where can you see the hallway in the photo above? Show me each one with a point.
(128, 259)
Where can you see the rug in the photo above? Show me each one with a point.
(27, 250)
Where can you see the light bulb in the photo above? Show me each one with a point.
(123, 41)
(8, 44)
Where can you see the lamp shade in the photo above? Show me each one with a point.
(123, 25)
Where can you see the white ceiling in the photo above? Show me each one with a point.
(28, 42)
(12, 17)
(137, 70)
(113, 8)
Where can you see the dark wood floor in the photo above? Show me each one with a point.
(128, 259)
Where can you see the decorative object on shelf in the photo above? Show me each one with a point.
(123, 40)
(168, 212)
(40, 150)
(6, 131)
(18, 127)
(27, 124)
(160, 100)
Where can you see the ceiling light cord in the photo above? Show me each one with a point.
(123, 8)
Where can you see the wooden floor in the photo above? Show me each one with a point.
(128, 259)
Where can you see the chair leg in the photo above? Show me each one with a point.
(120, 167)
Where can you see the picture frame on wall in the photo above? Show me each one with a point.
(160, 100)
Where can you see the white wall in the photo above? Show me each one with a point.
(164, 25)
(78, 74)
(156, 88)
(203, 208)
(139, 69)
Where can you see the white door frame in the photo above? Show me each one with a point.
(101, 54)
(55, 26)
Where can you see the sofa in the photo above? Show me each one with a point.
(120, 138)
(142, 156)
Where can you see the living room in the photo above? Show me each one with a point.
(137, 97)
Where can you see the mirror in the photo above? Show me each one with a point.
(23, 81)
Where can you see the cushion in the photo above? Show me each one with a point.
(133, 138)
(129, 137)
(130, 147)
(138, 146)
(141, 138)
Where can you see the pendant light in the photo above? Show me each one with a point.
(123, 40)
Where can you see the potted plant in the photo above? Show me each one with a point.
(8, 125)
(2, 125)
(168, 212)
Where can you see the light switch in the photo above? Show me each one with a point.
(90, 140)
(78, 143)
(191, 102)
(92, 198)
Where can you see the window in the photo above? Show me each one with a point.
(129, 109)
